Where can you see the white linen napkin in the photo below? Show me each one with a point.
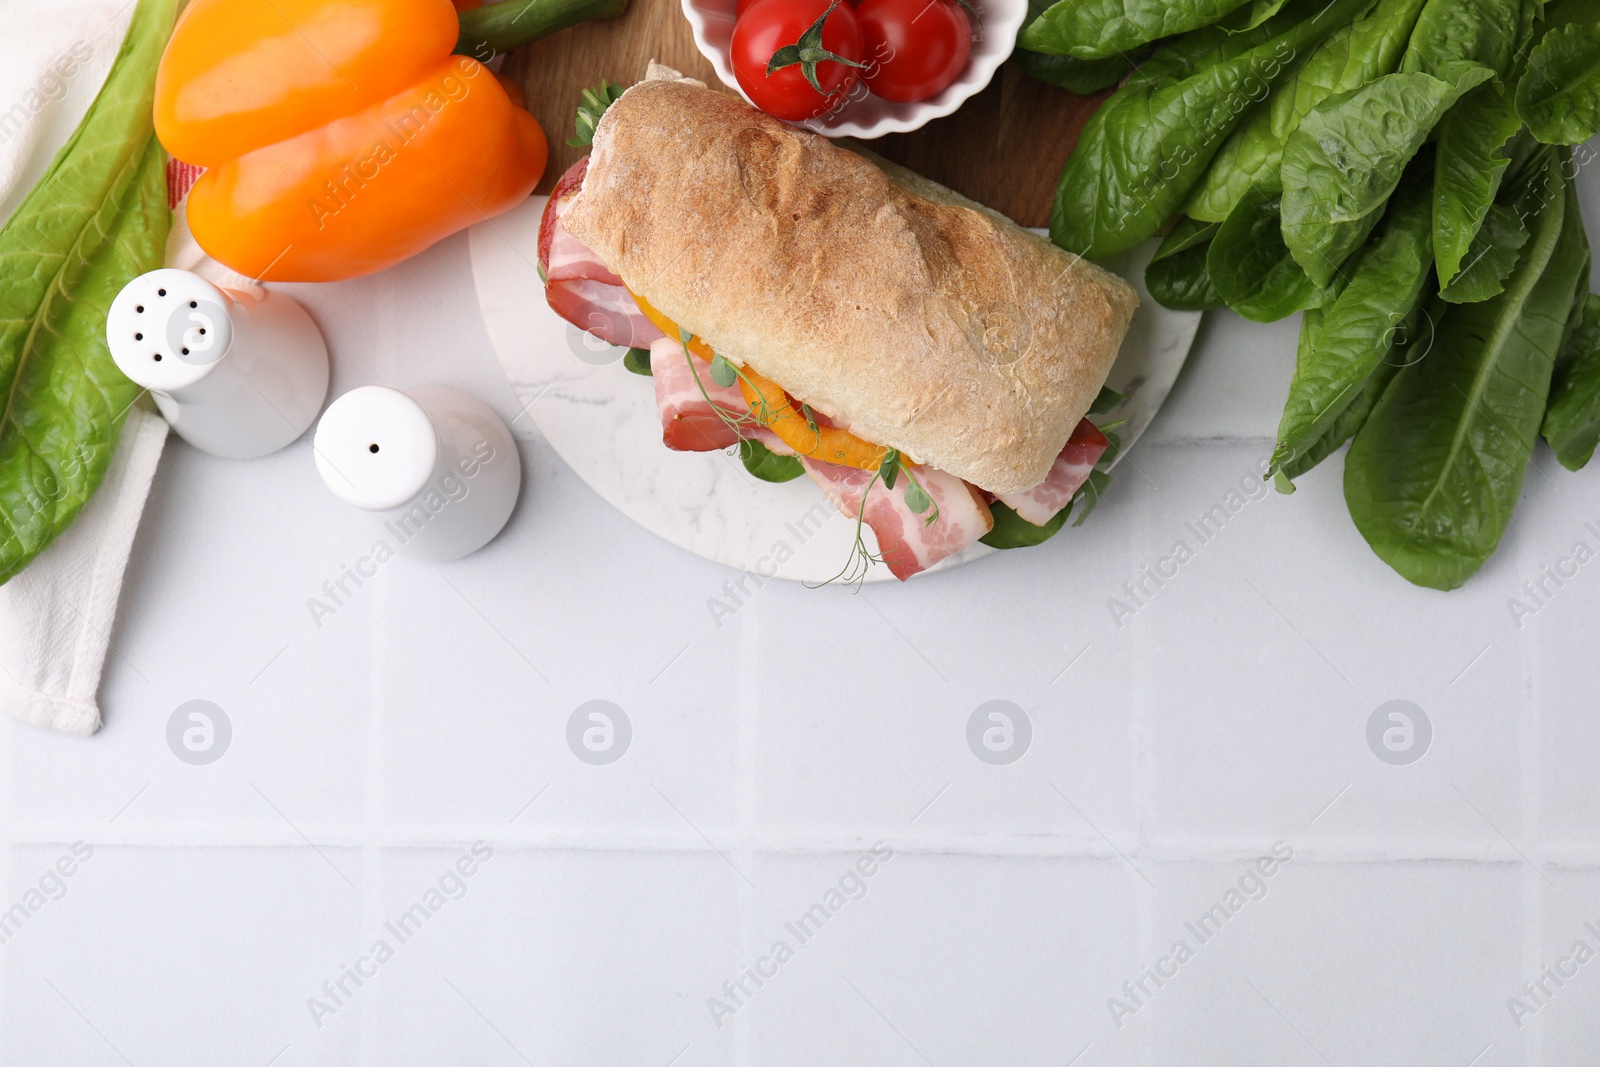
(56, 616)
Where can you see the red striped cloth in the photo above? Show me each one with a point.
(180, 176)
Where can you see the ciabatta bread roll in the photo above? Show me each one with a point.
(888, 303)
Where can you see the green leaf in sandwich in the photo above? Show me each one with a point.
(767, 465)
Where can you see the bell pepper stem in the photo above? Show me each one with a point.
(498, 28)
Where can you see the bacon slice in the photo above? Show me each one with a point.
(571, 260)
(570, 183)
(689, 423)
(907, 543)
(775, 444)
(1071, 469)
(607, 311)
(563, 256)
(577, 285)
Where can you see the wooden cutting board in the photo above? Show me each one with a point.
(1005, 147)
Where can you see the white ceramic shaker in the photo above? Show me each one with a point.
(438, 468)
(236, 374)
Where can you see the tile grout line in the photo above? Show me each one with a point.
(1084, 846)
(1142, 727)
(373, 837)
(1531, 782)
(371, 914)
(749, 705)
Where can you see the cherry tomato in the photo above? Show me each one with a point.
(739, 8)
(915, 48)
(768, 27)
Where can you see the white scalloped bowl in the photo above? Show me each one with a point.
(866, 116)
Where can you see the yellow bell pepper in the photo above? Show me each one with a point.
(339, 136)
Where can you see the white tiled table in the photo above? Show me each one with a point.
(1227, 714)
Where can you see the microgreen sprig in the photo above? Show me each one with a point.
(725, 374)
(861, 558)
(722, 372)
(733, 420)
(918, 500)
(890, 467)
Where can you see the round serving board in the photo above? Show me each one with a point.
(602, 420)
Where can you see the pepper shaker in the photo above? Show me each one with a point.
(235, 374)
(438, 468)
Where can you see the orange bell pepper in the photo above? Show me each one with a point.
(672, 329)
(340, 136)
(776, 410)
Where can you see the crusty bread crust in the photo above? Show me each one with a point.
(886, 302)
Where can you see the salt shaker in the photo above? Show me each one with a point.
(437, 467)
(236, 374)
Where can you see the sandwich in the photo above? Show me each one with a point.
(926, 361)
